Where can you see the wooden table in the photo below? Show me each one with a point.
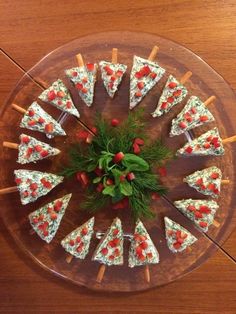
(29, 30)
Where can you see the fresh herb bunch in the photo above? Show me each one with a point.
(117, 166)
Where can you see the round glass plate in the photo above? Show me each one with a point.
(204, 83)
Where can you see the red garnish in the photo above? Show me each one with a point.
(164, 105)
(49, 210)
(100, 187)
(117, 252)
(44, 153)
(130, 176)
(144, 245)
(216, 191)
(139, 250)
(211, 186)
(33, 186)
(45, 233)
(72, 242)
(108, 70)
(215, 175)
(68, 104)
(139, 141)
(109, 182)
(58, 205)
(177, 93)
(182, 125)
(31, 123)
(172, 85)
(74, 73)
(146, 70)
(29, 151)
(53, 216)
(104, 251)
(203, 224)
(98, 172)
(153, 75)
(51, 95)
(115, 232)
(155, 196)
(84, 90)
(34, 194)
(38, 148)
(193, 110)
(46, 183)
(138, 94)
(119, 73)
(199, 181)
(136, 149)
(41, 120)
(162, 171)
(111, 257)
(18, 181)
(177, 245)
(79, 86)
(25, 139)
(113, 78)
(118, 157)
(25, 194)
(115, 122)
(78, 239)
(170, 100)
(31, 112)
(140, 85)
(85, 80)
(90, 66)
(204, 209)
(188, 149)
(49, 128)
(191, 208)
(35, 220)
(198, 214)
(149, 255)
(84, 231)
(203, 118)
(122, 178)
(61, 94)
(206, 145)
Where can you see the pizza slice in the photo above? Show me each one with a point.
(209, 143)
(30, 150)
(37, 119)
(177, 237)
(84, 79)
(78, 241)
(206, 181)
(58, 96)
(173, 93)
(194, 114)
(46, 220)
(201, 212)
(144, 76)
(112, 74)
(110, 249)
(34, 184)
(142, 249)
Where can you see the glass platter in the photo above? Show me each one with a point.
(176, 60)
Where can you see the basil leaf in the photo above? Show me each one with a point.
(118, 196)
(135, 163)
(97, 179)
(116, 173)
(109, 190)
(125, 188)
(91, 167)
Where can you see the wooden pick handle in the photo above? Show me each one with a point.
(153, 53)
(18, 108)
(216, 223)
(10, 145)
(147, 273)
(185, 77)
(209, 100)
(80, 60)
(8, 190)
(229, 139)
(225, 181)
(69, 258)
(101, 273)
(114, 55)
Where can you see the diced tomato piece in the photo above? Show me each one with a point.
(49, 128)
(206, 145)
(18, 181)
(209, 138)
(203, 224)
(193, 110)
(31, 123)
(68, 104)
(34, 194)
(74, 73)
(199, 181)
(136, 149)
(130, 176)
(164, 105)
(31, 113)
(139, 141)
(119, 73)
(182, 125)
(58, 205)
(170, 100)
(25, 139)
(170, 232)
(85, 80)
(189, 118)
(117, 252)
(146, 70)
(216, 145)
(78, 239)
(72, 242)
(144, 245)
(47, 184)
(53, 216)
(104, 251)
(25, 194)
(33, 186)
(79, 86)
(100, 187)
(79, 249)
(172, 85)
(44, 153)
(109, 182)
(35, 220)
(111, 257)
(198, 214)
(204, 209)
(215, 175)
(51, 95)
(191, 208)
(211, 186)
(61, 94)
(138, 94)
(153, 75)
(115, 232)
(108, 70)
(149, 255)
(138, 75)
(216, 191)
(84, 231)
(45, 233)
(115, 122)
(41, 120)
(38, 148)
(204, 118)
(140, 85)
(138, 250)
(49, 210)
(110, 85)
(180, 240)
(90, 66)
(177, 93)
(84, 90)
(116, 241)
(113, 78)
(177, 245)
(202, 187)
(188, 149)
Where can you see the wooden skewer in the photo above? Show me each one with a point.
(147, 273)
(229, 139)
(114, 55)
(8, 190)
(18, 108)
(69, 258)
(101, 273)
(10, 145)
(185, 77)
(80, 60)
(226, 181)
(209, 100)
(216, 223)
(153, 53)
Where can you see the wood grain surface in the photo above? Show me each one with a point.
(31, 30)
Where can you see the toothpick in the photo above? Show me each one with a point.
(18, 108)
(114, 55)
(147, 273)
(10, 145)
(185, 77)
(8, 190)
(209, 100)
(80, 60)
(101, 273)
(153, 53)
(229, 139)
(69, 258)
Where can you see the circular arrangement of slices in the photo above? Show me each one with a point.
(144, 75)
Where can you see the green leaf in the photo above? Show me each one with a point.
(135, 163)
(118, 196)
(116, 173)
(109, 190)
(126, 188)
(97, 179)
(91, 166)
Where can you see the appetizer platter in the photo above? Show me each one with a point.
(127, 162)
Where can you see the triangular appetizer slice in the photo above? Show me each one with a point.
(144, 76)
(34, 184)
(173, 93)
(142, 249)
(37, 119)
(209, 143)
(177, 237)
(78, 241)
(31, 150)
(46, 220)
(112, 74)
(110, 249)
(58, 96)
(194, 114)
(206, 181)
(201, 212)
(84, 79)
